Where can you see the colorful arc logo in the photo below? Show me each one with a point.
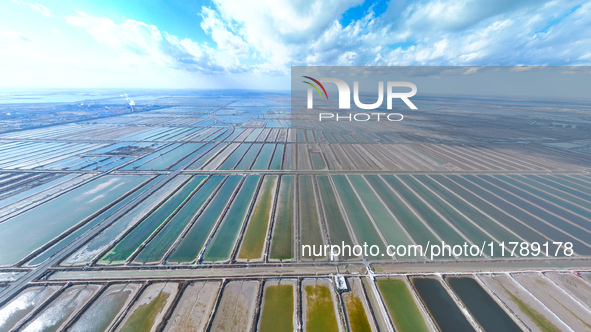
(315, 87)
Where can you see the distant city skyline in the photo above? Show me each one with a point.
(235, 44)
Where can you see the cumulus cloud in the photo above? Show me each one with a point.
(273, 35)
(280, 31)
(226, 41)
(147, 42)
(461, 32)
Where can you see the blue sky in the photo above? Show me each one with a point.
(246, 44)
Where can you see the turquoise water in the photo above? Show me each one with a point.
(359, 220)
(36, 190)
(264, 157)
(155, 250)
(43, 223)
(248, 157)
(277, 157)
(392, 232)
(223, 242)
(135, 238)
(164, 161)
(191, 245)
(417, 230)
(234, 157)
(337, 226)
(110, 235)
(70, 238)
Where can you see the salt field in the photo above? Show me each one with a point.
(211, 213)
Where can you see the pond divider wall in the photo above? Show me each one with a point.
(422, 307)
(193, 220)
(501, 303)
(242, 231)
(39, 309)
(181, 289)
(80, 224)
(298, 325)
(100, 255)
(257, 305)
(220, 218)
(76, 315)
(168, 218)
(461, 305)
(271, 223)
(296, 215)
(117, 321)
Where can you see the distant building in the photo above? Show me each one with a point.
(341, 283)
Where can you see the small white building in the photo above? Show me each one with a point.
(341, 283)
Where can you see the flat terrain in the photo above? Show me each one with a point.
(189, 211)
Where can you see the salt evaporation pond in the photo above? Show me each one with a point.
(43, 223)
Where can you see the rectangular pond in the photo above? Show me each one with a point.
(441, 306)
(282, 240)
(361, 224)
(337, 225)
(388, 226)
(104, 310)
(264, 157)
(484, 309)
(13, 313)
(222, 244)
(318, 306)
(74, 235)
(235, 310)
(194, 307)
(148, 226)
(149, 309)
(253, 241)
(60, 309)
(190, 246)
(401, 305)
(310, 232)
(357, 309)
(43, 223)
(277, 306)
(411, 223)
(155, 250)
(107, 237)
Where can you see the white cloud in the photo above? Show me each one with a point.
(230, 47)
(35, 6)
(269, 37)
(462, 33)
(40, 8)
(225, 40)
(136, 40)
(281, 31)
